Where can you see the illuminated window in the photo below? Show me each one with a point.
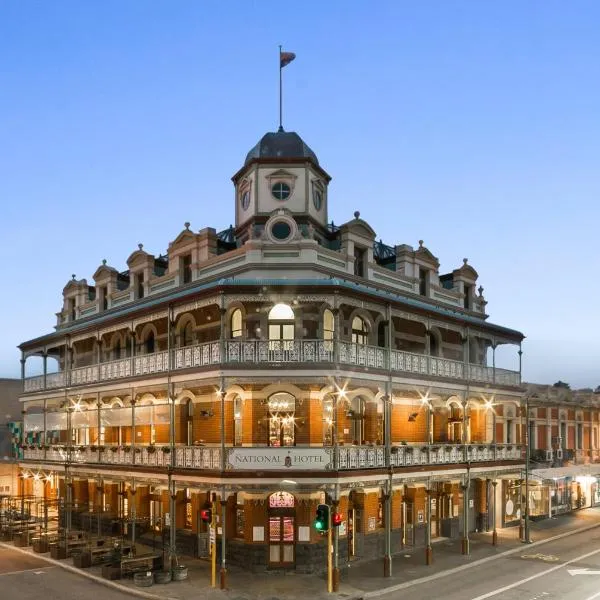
(328, 325)
(328, 421)
(281, 327)
(360, 332)
(236, 323)
(238, 415)
(282, 428)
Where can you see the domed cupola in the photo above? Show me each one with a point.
(280, 172)
(281, 145)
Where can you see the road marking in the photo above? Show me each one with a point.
(36, 570)
(583, 572)
(550, 570)
(594, 596)
(544, 557)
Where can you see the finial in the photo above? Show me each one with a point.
(465, 261)
(356, 214)
(480, 290)
(140, 246)
(187, 225)
(73, 276)
(420, 243)
(103, 261)
(280, 130)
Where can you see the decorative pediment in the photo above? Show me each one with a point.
(467, 271)
(360, 227)
(282, 174)
(424, 254)
(104, 272)
(74, 284)
(185, 237)
(139, 256)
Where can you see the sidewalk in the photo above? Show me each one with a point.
(359, 580)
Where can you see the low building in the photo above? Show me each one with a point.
(279, 364)
(564, 428)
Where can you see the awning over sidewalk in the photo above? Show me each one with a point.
(572, 471)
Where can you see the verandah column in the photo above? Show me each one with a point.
(465, 487)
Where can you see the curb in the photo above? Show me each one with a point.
(480, 561)
(83, 573)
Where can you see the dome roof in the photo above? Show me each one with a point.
(281, 144)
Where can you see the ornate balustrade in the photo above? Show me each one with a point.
(259, 458)
(258, 352)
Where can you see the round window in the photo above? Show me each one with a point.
(280, 190)
(317, 199)
(281, 230)
(246, 200)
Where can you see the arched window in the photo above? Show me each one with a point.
(360, 332)
(187, 334)
(281, 326)
(236, 323)
(328, 325)
(149, 343)
(282, 429)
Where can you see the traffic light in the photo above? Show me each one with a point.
(336, 519)
(206, 515)
(322, 518)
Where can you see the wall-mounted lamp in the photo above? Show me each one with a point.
(413, 417)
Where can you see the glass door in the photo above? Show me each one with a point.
(281, 541)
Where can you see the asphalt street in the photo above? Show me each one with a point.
(566, 569)
(25, 577)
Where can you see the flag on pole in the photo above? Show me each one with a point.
(285, 58)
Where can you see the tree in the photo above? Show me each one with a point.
(562, 384)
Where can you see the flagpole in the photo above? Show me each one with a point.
(280, 93)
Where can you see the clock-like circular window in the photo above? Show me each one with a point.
(281, 230)
(317, 199)
(281, 190)
(245, 200)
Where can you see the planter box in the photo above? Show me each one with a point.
(58, 551)
(82, 560)
(111, 572)
(144, 579)
(40, 546)
(180, 573)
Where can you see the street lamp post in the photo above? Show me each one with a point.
(527, 539)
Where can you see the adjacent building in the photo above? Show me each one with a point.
(275, 365)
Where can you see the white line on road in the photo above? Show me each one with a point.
(518, 583)
(585, 571)
(37, 569)
(594, 596)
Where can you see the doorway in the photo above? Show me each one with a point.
(282, 530)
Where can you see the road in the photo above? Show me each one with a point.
(566, 569)
(25, 577)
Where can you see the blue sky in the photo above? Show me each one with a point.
(472, 125)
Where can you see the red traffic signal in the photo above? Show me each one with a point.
(206, 515)
(336, 519)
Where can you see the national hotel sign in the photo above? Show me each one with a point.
(280, 459)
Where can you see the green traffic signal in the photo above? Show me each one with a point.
(322, 518)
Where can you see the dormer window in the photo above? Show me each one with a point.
(467, 298)
(139, 285)
(186, 268)
(423, 276)
(103, 292)
(359, 261)
(71, 309)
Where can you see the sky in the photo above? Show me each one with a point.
(474, 126)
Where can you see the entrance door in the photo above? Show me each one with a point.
(282, 538)
(408, 525)
(350, 535)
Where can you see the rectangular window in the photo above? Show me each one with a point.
(467, 298)
(186, 267)
(140, 285)
(103, 298)
(71, 309)
(359, 262)
(423, 282)
(579, 436)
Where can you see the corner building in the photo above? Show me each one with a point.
(278, 364)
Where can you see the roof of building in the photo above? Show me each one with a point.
(281, 144)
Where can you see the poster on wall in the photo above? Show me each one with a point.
(372, 523)
(258, 534)
(421, 516)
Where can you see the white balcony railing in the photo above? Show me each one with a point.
(348, 457)
(259, 352)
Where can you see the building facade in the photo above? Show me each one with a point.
(271, 367)
(564, 428)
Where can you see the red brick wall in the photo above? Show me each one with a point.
(405, 430)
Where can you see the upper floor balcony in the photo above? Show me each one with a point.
(264, 459)
(248, 354)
